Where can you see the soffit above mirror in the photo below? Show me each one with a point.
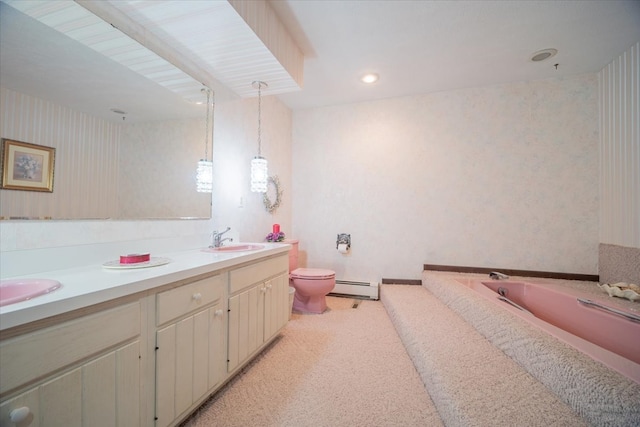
(237, 41)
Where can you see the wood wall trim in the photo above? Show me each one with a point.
(401, 281)
(512, 272)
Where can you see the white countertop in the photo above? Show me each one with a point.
(93, 284)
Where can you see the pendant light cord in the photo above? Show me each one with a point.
(259, 119)
(206, 129)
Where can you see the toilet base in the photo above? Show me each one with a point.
(315, 304)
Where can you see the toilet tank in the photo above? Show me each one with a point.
(293, 254)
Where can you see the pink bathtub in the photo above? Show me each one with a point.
(607, 337)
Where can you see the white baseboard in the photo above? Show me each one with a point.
(367, 290)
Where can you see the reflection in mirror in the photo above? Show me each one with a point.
(127, 142)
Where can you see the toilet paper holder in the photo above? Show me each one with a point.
(343, 239)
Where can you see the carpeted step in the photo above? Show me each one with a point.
(471, 382)
(599, 394)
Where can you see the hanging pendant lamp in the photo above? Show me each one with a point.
(204, 171)
(259, 170)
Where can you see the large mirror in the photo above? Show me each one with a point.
(126, 142)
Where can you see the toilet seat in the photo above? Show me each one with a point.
(312, 274)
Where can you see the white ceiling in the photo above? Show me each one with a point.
(425, 46)
(415, 46)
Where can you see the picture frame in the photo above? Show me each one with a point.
(27, 167)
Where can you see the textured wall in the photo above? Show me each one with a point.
(503, 176)
(620, 150)
(235, 144)
(154, 160)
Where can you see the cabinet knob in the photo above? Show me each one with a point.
(197, 296)
(18, 415)
(269, 286)
(217, 313)
(263, 289)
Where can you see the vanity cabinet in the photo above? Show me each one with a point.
(190, 346)
(75, 373)
(145, 359)
(258, 307)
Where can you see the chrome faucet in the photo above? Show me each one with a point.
(217, 238)
(495, 275)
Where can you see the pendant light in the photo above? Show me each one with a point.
(259, 173)
(204, 172)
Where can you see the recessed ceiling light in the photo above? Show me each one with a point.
(369, 78)
(543, 54)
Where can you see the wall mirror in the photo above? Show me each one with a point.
(127, 138)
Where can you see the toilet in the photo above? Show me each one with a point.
(311, 284)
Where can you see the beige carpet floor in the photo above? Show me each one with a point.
(346, 367)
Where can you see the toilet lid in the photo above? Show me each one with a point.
(313, 273)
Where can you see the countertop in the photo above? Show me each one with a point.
(93, 284)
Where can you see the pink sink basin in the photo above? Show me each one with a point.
(17, 290)
(235, 248)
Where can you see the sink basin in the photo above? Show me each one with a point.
(17, 290)
(235, 248)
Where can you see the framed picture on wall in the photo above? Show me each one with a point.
(27, 166)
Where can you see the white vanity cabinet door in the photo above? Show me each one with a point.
(246, 319)
(276, 307)
(189, 362)
(102, 392)
(217, 346)
(255, 316)
(190, 354)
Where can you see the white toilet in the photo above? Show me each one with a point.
(311, 284)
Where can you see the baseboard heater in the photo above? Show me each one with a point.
(363, 290)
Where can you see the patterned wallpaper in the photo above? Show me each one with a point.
(620, 150)
(500, 176)
(86, 159)
(619, 255)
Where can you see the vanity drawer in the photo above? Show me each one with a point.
(37, 354)
(255, 273)
(179, 301)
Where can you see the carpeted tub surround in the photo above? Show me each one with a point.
(599, 394)
(471, 382)
(618, 264)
